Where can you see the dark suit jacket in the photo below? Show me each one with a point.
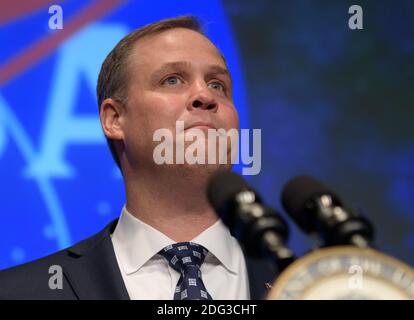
(91, 271)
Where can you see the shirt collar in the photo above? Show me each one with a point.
(219, 242)
(137, 242)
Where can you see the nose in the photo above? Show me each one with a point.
(204, 100)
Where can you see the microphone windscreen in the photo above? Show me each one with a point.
(223, 186)
(298, 191)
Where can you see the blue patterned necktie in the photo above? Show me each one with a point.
(186, 258)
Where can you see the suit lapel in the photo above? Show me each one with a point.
(93, 271)
(262, 273)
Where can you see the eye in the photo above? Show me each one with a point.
(172, 80)
(216, 86)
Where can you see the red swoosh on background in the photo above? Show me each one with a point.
(44, 46)
(12, 11)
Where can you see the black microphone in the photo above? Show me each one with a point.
(261, 230)
(316, 209)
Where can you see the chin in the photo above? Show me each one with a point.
(206, 169)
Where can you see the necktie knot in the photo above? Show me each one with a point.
(187, 258)
(183, 255)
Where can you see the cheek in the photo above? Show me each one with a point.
(147, 114)
(161, 110)
(230, 118)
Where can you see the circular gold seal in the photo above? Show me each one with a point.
(345, 273)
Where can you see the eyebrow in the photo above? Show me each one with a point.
(183, 65)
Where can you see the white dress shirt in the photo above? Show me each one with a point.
(147, 275)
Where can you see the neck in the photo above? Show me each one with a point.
(173, 202)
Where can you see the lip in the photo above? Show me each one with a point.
(200, 124)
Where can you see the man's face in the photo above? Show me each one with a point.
(177, 75)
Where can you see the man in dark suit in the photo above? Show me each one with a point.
(168, 242)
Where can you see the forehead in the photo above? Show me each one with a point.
(174, 45)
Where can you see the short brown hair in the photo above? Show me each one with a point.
(113, 77)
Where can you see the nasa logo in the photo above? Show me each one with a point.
(345, 273)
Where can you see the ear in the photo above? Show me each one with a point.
(112, 115)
